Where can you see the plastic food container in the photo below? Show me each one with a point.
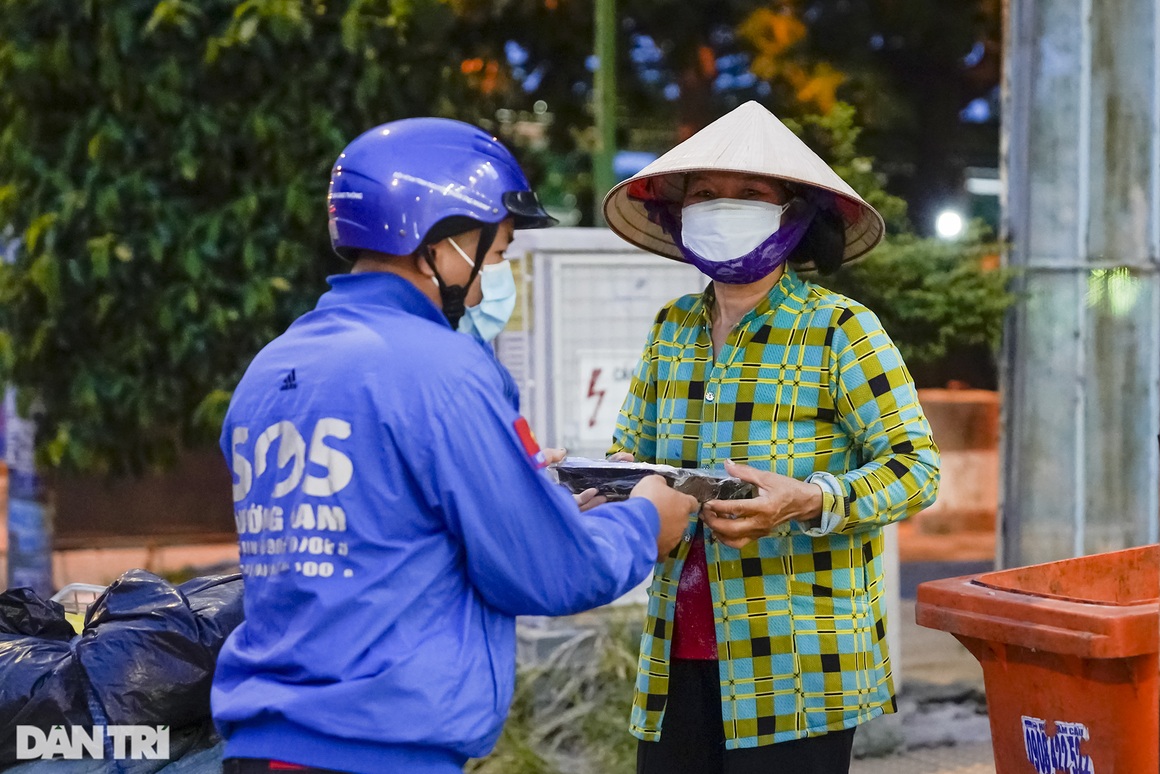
(615, 480)
(76, 599)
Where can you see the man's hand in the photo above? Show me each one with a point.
(674, 509)
(589, 499)
(552, 456)
(780, 499)
(621, 457)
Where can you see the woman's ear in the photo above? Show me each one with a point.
(824, 243)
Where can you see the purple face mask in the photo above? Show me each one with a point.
(752, 266)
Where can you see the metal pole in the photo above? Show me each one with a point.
(1081, 392)
(605, 104)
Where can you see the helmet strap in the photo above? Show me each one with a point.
(453, 297)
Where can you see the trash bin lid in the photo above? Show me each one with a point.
(1128, 577)
(1099, 606)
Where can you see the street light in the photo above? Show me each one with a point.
(949, 224)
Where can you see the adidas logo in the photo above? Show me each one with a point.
(290, 382)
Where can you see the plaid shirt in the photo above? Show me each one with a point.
(808, 381)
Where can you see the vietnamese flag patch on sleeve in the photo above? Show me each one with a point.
(529, 441)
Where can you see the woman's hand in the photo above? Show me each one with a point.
(737, 523)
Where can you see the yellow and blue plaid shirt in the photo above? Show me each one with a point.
(807, 383)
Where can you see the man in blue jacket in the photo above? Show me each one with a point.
(405, 519)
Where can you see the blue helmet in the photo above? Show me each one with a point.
(419, 180)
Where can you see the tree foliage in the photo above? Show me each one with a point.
(166, 164)
(943, 302)
(909, 67)
(938, 300)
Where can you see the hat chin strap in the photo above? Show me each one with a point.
(454, 297)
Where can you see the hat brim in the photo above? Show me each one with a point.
(626, 213)
(747, 140)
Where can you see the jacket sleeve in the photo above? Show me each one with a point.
(636, 425)
(528, 548)
(877, 406)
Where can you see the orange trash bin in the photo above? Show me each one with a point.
(1069, 651)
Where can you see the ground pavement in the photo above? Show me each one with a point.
(941, 727)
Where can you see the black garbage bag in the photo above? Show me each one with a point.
(149, 648)
(217, 601)
(146, 656)
(41, 682)
(24, 613)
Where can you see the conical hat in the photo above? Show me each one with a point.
(750, 140)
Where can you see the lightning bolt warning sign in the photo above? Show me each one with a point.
(604, 381)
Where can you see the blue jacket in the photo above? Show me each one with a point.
(393, 519)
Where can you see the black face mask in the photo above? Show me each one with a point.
(454, 297)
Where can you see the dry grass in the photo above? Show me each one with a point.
(570, 714)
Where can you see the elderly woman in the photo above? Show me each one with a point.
(765, 644)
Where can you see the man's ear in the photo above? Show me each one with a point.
(424, 257)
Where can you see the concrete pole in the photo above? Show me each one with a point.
(1081, 366)
(603, 177)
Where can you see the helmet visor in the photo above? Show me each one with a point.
(525, 208)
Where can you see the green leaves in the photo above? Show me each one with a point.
(165, 164)
(36, 230)
(940, 301)
(834, 137)
(44, 274)
(173, 13)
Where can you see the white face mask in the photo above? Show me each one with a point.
(724, 229)
(487, 319)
